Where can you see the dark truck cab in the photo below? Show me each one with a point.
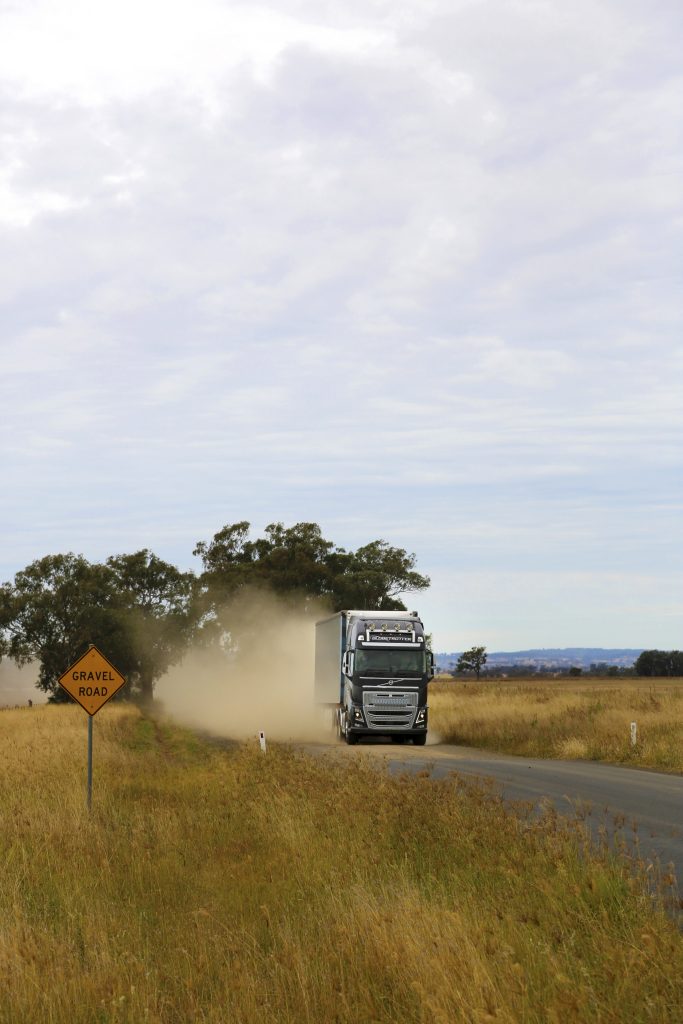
(374, 667)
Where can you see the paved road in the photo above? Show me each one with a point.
(650, 801)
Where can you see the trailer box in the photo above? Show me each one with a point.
(330, 639)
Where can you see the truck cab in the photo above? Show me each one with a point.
(379, 666)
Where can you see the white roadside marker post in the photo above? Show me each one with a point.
(634, 734)
(262, 740)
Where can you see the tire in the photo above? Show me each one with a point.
(420, 741)
(350, 737)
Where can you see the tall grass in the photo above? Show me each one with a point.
(225, 885)
(590, 721)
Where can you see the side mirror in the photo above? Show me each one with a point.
(431, 665)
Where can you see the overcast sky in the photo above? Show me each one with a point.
(410, 269)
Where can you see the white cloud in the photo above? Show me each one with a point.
(95, 51)
(405, 269)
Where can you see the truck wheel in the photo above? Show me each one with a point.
(346, 733)
(420, 741)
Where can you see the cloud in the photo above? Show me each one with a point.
(96, 52)
(379, 266)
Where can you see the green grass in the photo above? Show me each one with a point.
(220, 885)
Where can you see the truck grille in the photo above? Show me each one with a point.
(389, 710)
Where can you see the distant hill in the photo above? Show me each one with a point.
(551, 657)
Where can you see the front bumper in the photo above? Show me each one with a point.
(363, 730)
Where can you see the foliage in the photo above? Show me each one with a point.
(143, 612)
(56, 607)
(659, 663)
(299, 563)
(472, 661)
(285, 560)
(374, 576)
(136, 608)
(156, 612)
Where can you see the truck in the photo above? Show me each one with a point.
(373, 668)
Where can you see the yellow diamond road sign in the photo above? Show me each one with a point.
(92, 680)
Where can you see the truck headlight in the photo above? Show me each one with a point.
(358, 715)
(421, 715)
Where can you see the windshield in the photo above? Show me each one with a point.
(390, 663)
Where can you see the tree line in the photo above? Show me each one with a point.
(659, 663)
(648, 663)
(144, 612)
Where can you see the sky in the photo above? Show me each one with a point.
(409, 269)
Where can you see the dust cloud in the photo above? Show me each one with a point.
(265, 685)
(18, 685)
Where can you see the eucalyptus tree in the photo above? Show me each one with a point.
(298, 563)
(139, 610)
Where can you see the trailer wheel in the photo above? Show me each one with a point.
(420, 741)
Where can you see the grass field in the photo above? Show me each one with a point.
(215, 884)
(589, 720)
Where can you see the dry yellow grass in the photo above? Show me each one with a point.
(223, 885)
(589, 720)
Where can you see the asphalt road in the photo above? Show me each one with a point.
(648, 804)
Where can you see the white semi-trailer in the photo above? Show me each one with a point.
(374, 667)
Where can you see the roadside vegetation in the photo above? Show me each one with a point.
(590, 720)
(147, 614)
(214, 884)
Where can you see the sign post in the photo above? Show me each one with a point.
(89, 761)
(91, 681)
